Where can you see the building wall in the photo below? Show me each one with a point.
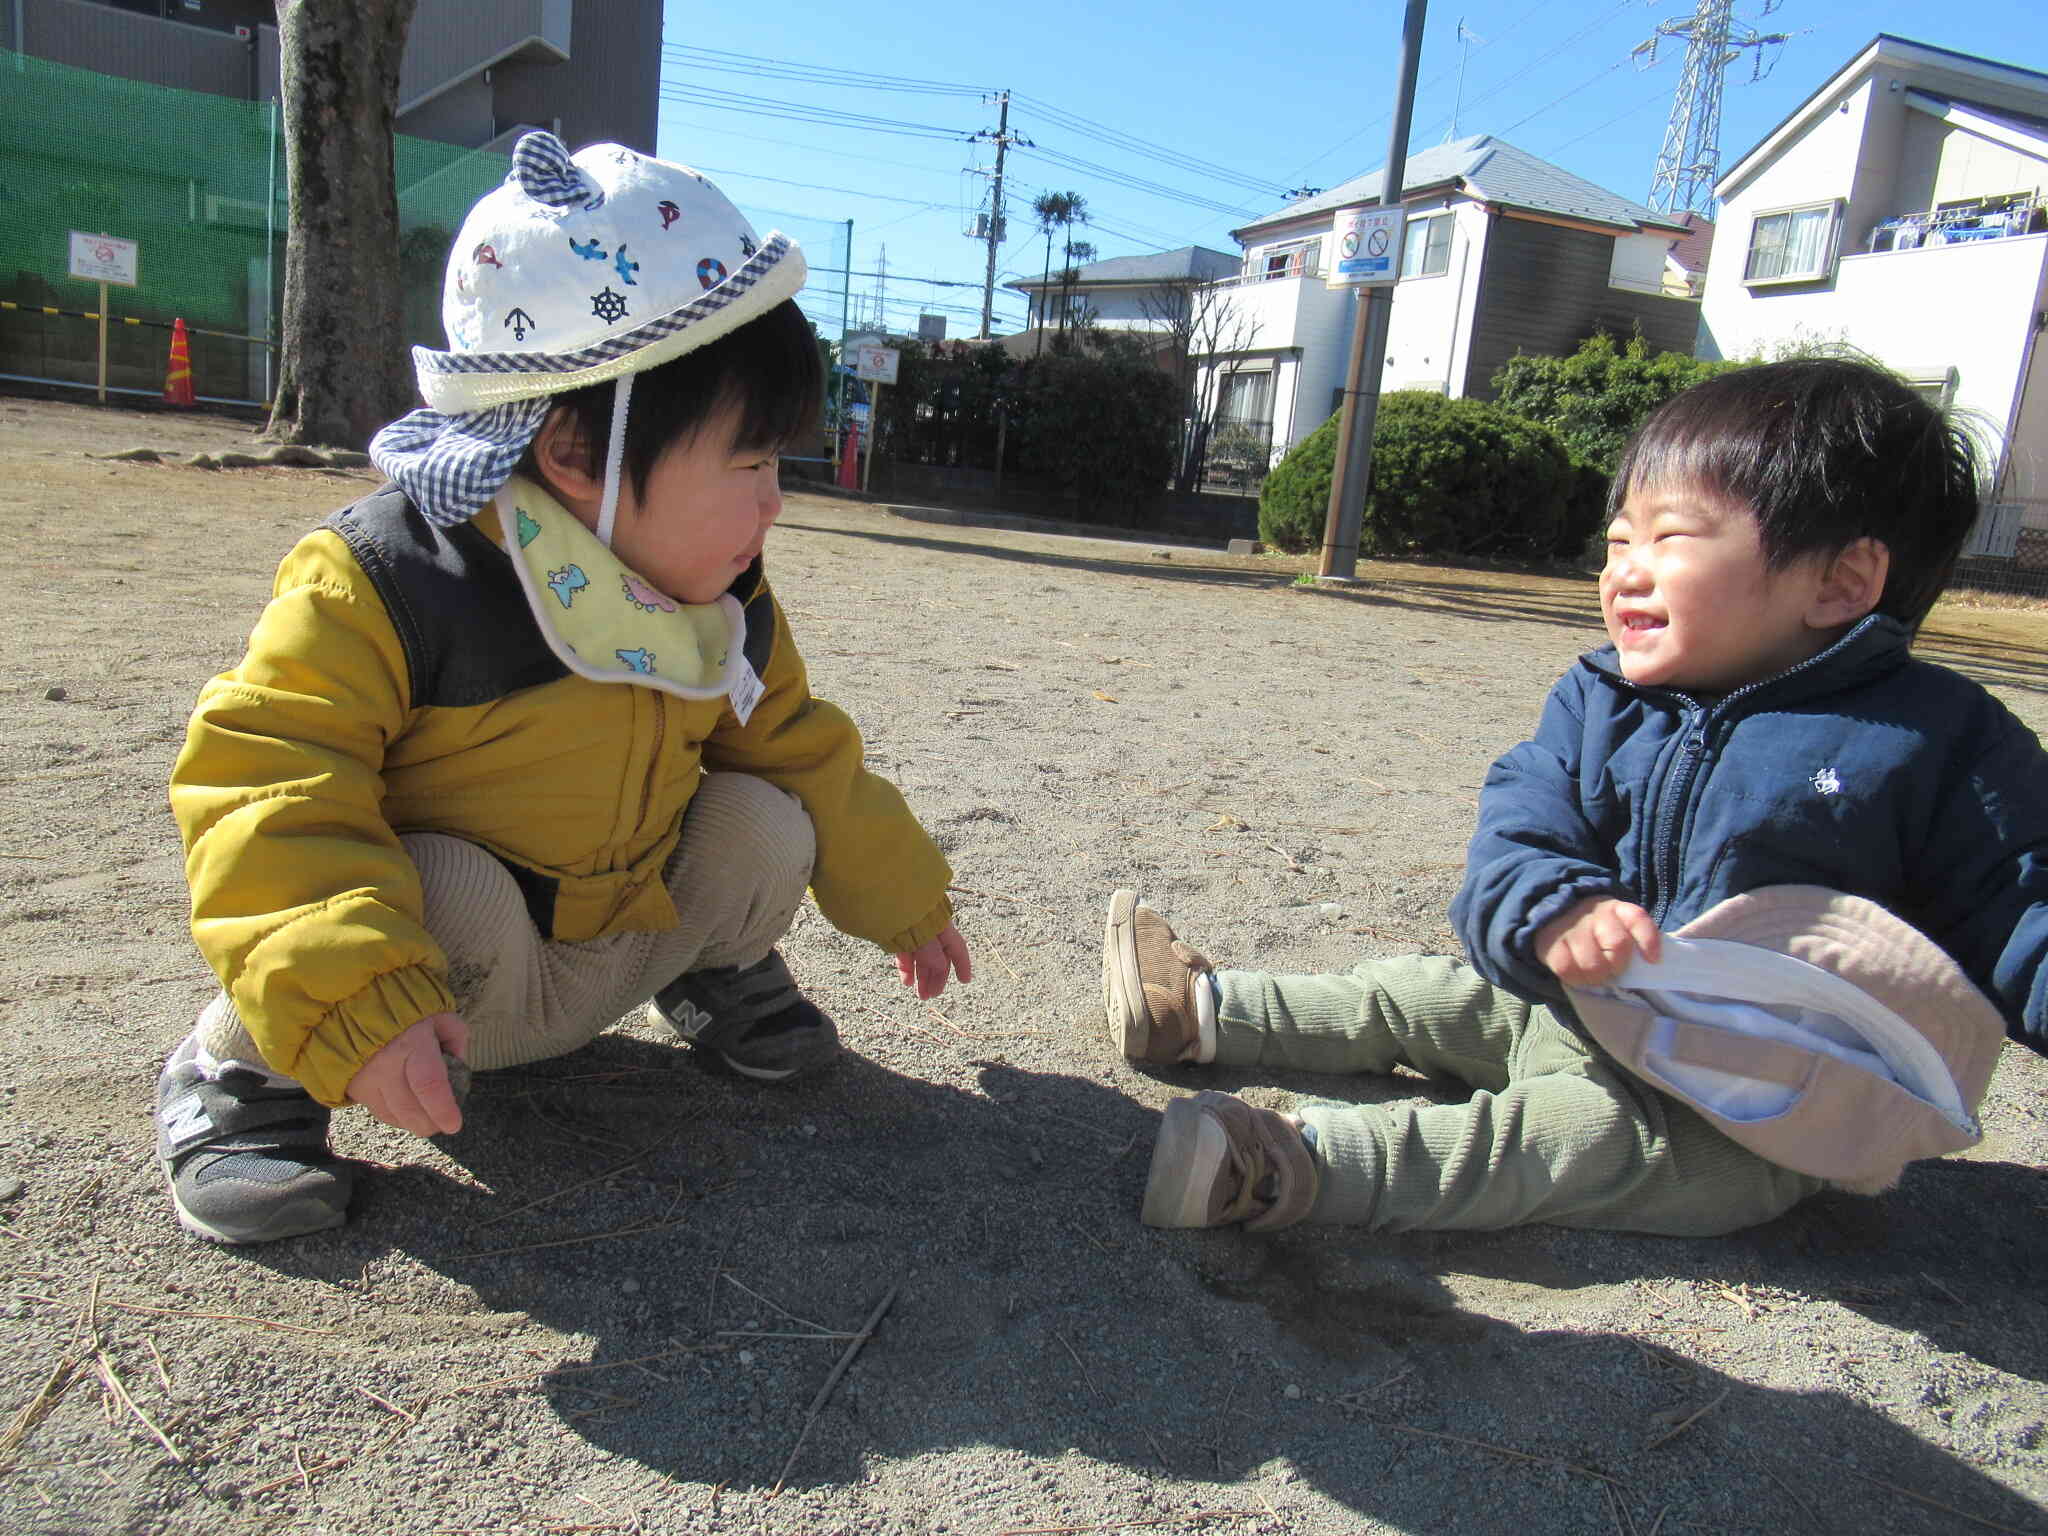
(609, 88)
(1942, 163)
(1543, 289)
(609, 92)
(136, 47)
(1967, 307)
(1431, 331)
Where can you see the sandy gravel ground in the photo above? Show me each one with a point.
(615, 1302)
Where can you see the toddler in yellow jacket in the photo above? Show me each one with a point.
(522, 741)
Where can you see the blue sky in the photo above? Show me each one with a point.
(1247, 101)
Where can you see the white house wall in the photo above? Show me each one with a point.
(1966, 307)
(1432, 324)
(1944, 162)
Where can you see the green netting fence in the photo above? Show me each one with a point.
(198, 183)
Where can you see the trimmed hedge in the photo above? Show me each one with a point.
(1449, 477)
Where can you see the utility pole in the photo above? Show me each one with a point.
(1002, 138)
(1351, 475)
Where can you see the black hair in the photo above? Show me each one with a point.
(1824, 451)
(770, 367)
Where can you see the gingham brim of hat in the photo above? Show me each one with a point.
(1815, 1028)
(595, 265)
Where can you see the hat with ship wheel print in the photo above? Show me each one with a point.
(575, 270)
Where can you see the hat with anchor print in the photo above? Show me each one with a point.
(575, 270)
(1813, 1027)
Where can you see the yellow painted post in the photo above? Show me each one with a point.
(103, 343)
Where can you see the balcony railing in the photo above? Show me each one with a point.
(1984, 219)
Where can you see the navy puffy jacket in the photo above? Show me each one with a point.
(1863, 770)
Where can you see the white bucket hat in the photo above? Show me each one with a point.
(577, 269)
(1814, 1028)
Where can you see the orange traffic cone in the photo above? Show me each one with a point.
(178, 381)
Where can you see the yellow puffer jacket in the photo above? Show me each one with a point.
(344, 726)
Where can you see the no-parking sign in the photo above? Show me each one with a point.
(104, 259)
(876, 365)
(1365, 247)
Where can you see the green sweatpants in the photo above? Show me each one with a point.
(1553, 1131)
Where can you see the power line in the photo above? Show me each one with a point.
(1648, 101)
(1541, 59)
(1557, 100)
(1138, 183)
(817, 74)
(803, 112)
(1117, 138)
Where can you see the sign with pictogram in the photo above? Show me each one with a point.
(876, 365)
(1366, 243)
(103, 259)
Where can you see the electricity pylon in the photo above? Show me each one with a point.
(1690, 162)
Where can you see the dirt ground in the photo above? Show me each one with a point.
(617, 1301)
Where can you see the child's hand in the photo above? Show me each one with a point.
(926, 967)
(1593, 940)
(406, 1085)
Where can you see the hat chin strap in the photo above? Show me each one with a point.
(614, 456)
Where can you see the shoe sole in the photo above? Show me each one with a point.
(286, 1223)
(1123, 991)
(1190, 1151)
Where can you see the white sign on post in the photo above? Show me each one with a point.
(876, 365)
(103, 259)
(1365, 247)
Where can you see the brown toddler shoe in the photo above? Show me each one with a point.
(1148, 982)
(1219, 1161)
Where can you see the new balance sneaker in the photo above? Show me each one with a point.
(753, 1016)
(1148, 984)
(246, 1153)
(1219, 1161)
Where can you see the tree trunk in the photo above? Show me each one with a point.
(344, 370)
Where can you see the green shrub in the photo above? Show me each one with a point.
(1449, 477)
(1600, 394)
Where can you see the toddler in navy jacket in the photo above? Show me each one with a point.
(1756, 721)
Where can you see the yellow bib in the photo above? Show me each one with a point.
(607, 623)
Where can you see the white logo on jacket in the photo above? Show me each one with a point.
(1826, 782)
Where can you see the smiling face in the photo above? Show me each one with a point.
(706, 509)
(1690, 603)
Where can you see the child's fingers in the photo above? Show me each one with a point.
(433, 1099)
(955, 948)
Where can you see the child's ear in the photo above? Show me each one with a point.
(1852, 585)
(566, 458)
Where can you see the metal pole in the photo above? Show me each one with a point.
(1351, 476)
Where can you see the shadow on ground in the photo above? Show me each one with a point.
(1032, 1312)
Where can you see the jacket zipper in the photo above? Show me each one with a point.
(1664, 858)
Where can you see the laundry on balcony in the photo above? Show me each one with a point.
(1964, 221)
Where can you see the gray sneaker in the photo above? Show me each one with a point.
(245, 1154)
(752, 1016)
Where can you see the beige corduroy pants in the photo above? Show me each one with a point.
(737, 877)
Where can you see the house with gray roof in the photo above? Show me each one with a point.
(1504, 252)
(1125, 293)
